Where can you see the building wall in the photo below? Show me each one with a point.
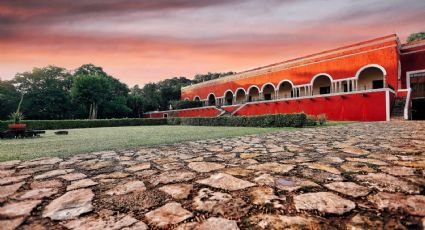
(412, 59)
(339, 64)
(369, 106)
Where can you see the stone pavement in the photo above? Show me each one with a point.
(357, 176)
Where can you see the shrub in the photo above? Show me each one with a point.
(186, 104)
(322, 118)
(73, 124)
(311, 120)
(276, 120)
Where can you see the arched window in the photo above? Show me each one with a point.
(285, 89)
(253, 93)
(197, 98)
(211, 100)
(321, 85)
(268, 92)
(240, 95)
(228, 98)
(370, 78)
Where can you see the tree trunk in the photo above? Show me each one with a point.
(90, 111)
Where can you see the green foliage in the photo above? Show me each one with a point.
(16, 117)
(9, 98)
(209, 76)
(73, 124)
(416, 37)
(46, 92)
(186, 104)
(275, 120)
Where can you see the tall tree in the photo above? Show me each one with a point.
(90, 90)
(46, 92)
(416, 37)
(9, 98)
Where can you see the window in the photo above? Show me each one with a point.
(325, 90)
(377, 84)
(165, 115)
(267, 97)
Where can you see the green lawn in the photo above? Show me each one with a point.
(113, 138)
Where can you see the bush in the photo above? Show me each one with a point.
(277, 120)
(311, 120)
(73, 124)
(186, 104)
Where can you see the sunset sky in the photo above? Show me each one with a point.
(150, 40)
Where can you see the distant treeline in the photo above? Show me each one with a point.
(88, 92)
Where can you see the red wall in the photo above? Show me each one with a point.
(351, 107)
(412, 60)
(231, 108)
(201, 112)
(337, 63)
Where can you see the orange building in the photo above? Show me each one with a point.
(367, 81)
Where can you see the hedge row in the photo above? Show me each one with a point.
(73, 124)
(276, 120)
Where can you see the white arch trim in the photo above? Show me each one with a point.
(224, 95)
(371, 66)
(283, 81)
(236, 91)
(268, 83)
(254, 86)
(208, 97)
(199, 98)
(321, 74)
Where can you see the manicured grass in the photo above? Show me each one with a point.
(114, 138)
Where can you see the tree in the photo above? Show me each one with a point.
(90, 90)
(135, 103)
(209, 76)
(113, 104)
(416, 37)
(9, 98)
(46, 92)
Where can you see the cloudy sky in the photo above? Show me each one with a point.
(149, 40)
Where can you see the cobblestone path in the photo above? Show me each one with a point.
(357, 176)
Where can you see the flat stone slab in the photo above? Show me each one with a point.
(138, 167)
(291, 184)
(70, 205)
(73, 176)
(177, 191)
(11, 224)
(169, 214)
(8, 190)
(172, 177)
(84, 183)
(226, 181)
(18, 209)
(348, 188)
(204, 167)
(388, 183)
(323, 202)
(110, 222)
(13, 179)
(412, 204)
(36, 194)
(268, 221)
(272, 167)
(131, 186)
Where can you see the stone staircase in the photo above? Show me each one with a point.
(223, 112)
(398, 109)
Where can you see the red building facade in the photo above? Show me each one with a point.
(362, 82)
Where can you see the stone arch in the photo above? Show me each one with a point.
(371, 77)
(240, 95)
(211, 99)
(253, 93)
(321, 84)
(268, 90)
(285, 89)
(228, 97)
